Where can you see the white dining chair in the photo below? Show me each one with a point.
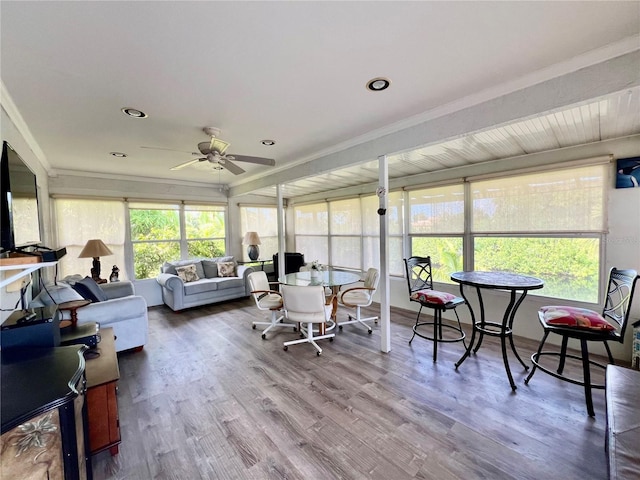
(267, 300)
(360, 296)
(306, 305)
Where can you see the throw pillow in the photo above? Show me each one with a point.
(564, 316)
(227, 269)
(187, 273)
(210, 268)
(90, 290)
(432, 296)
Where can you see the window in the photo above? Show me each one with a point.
(80, 220)
(346, 233)
(549, 225)
(436, 228)
(263, 220)
(166, 232)
(311, 223)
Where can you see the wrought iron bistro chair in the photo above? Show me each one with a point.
(587, 326)
(420, 283)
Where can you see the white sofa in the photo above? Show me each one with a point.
(209, 288)
(124, 311)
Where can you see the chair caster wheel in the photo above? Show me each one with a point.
(331, 340)
(264, 336)
(318, 354)
(339, 327)
(370, 332)
(254, 327)
(295, 329)
(285, 348)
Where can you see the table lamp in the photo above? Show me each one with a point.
(95, 249)
(253, 240)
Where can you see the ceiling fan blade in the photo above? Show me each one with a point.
(232, 167)
(186, 164)
(259, 160)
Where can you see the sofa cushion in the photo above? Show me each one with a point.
(229, 282)
(57, 294)
(90, 290)
(227, 269)
(200, 286)
(210, 266)
(187, 273)
(170, 267)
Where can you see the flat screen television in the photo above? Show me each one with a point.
(19, 217)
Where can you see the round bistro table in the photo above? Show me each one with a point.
(518, 286)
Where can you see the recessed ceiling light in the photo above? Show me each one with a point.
(133, 112)
(268, 143)
(378, 84)
(118, 154)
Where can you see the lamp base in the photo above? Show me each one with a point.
(95, 271)
(253, 251)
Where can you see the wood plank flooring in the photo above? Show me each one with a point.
(207, 398)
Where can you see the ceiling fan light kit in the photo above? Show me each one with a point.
(214, 153)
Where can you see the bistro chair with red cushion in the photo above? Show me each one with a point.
(420, 283)
(587, 326)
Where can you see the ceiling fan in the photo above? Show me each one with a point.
(214, 153)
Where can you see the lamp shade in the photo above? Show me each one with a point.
(95, 248)
(251, 238)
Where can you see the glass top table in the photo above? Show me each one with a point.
(333, 279)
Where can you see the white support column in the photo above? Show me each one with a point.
(385, 303)
(281, 239)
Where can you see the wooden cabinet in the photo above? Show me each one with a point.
(102, 405)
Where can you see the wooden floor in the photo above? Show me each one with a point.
(208, 398)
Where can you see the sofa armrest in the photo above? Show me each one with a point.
(118, 289)
(243, 272)
(113, 311)
(170, 282)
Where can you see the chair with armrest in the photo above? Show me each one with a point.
(306, 305)
(420, 283)
(267, 299)
(587, 326)
(360, 296)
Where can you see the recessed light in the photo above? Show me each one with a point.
(118, 154)
(268, 143)
(134, 112)
(378, 84)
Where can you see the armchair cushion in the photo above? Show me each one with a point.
(564, 316)
(55, 294)
(90, 290)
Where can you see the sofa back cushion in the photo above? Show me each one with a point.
(170, 267)
(210, 266)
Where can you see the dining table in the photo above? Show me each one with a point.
(333, 279)
(518, 286)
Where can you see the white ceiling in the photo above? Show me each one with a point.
(294, 72)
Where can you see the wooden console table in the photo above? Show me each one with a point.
(102, 374)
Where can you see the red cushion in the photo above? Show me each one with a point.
(432, 296)
(574, 317)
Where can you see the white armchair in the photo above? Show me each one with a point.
(358, 297)
(306, 305)
(267, 300)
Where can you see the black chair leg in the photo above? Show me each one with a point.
(611, 360)
(416, 325)
(563, 355)
(587, 377)
(536, 357)
(437, 325)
